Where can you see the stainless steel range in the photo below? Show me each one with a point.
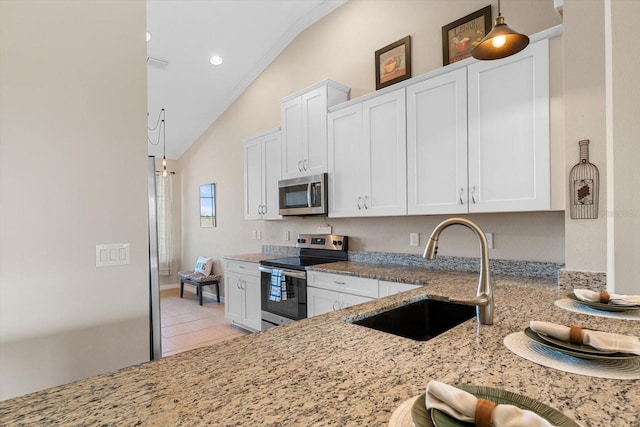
(283, 281)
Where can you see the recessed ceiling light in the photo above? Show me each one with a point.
(215, 60)
(148, 36)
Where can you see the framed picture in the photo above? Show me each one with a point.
(208, 205)
(461, 36)
(393, 63)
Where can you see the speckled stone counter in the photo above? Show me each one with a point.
(324, 371)
(253, 257)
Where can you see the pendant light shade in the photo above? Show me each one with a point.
(501, 41)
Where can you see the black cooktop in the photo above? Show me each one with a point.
(296, 263)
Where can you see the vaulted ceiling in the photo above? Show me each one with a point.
(247, 34)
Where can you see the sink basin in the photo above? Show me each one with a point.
(421, 320)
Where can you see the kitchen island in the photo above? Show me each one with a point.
(327, 371)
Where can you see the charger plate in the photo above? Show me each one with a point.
(603, 306)
(422, 417)
(580, 354)
(573, 306)
(533, 351)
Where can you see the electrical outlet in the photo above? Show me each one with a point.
(414, 239)
(259, 233)
(489, 237)
(254, 235)
(287, 236)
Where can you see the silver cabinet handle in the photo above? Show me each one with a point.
(461, 190)
(358, 204)
(264, 209)
(305, 163)
(299, 165)
(334, 304)
(238, 284)
(244, 285)
(473, 194)
(339, 283)
(366, 201)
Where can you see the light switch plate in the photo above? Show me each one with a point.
(112, 254)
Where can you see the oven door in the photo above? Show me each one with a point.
(291, 306)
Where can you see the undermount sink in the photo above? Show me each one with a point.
(420, 320)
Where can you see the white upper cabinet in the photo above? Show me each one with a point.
(509, 132)
(437, 145)
(262, 155)
(367, 158)
(304, 128)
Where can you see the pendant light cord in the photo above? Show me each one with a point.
(158, 122)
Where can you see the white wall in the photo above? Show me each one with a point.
(623, 147)
(73, 174)
(341, 46)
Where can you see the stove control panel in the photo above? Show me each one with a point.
(322, 241)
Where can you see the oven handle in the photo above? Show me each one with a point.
(289, 273)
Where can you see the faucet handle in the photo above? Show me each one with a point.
(478, 301)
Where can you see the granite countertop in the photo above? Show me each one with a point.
(324, 371)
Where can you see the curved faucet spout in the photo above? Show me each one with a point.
(484, 299)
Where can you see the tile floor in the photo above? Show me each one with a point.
(187, 325)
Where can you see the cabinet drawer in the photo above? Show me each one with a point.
(245, 267)
(344, 284)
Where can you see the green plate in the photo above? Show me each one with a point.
(603, 306)
(612, 356)
(434, 418)
(575, 347)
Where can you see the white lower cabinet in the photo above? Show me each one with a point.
(328, 292)
(242, 294)
(391, 288)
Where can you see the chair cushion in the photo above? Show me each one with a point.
(203, 265)
(198, 277)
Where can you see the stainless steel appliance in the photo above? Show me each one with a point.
(303, 196)
(155, 338)
(314, 249)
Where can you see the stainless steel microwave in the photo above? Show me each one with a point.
(303, 196)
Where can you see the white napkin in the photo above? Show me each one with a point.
(594, 296)
(462, 405)
(596, 339)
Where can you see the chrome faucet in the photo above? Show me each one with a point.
(484, 299)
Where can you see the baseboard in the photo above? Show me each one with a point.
(170, 286)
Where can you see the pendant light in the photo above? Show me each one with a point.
(501, 41)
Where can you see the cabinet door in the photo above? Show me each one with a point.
(437, 145)
(385, 152)
(253, 189)
(314, 127)
(509, 132)
(233, 296)
(251, 316)
(347, 300)
(345, 170)
(292, 155)
(321, 301)
(392, 288)
(271, 166)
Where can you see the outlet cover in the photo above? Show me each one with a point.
(489, 237)
(414, 239)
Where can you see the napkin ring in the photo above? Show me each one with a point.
(604, 297)
(575, 334)
(484, 410)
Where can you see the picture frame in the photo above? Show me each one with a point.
(461, 36)
(393, 63)
(207, 205)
